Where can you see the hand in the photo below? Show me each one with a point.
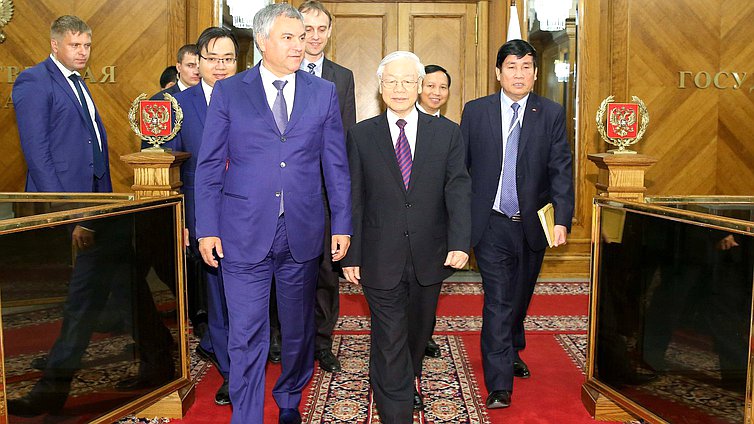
(352, 274)
(727, 243)
(82, 238)
(206, 245)
(186, 237)
(456, 259)
(560, 234)
(339, 246)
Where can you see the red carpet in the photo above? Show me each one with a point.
(551, 395)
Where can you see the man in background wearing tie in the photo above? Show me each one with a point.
(65, 147)
(218, 56)
(410, 194)
(271, 133)
(519, 160)
(318, 26)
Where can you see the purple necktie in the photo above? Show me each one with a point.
(279, 108)
(403, 153)
(508, 190)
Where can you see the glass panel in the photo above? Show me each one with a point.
(674, 310)
(88, 330)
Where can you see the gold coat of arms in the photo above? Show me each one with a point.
(6, 14)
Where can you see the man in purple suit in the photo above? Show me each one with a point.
(271, 133)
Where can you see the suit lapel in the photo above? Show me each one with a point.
(257, 97)
(384, 141)
(199, 103)
(496, 124)
(62, 81)
(300, 99)
(328, 72)
(424, 136)
(531, 120)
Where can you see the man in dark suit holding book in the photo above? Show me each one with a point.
(519, 159)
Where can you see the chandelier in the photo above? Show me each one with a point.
(552, 14)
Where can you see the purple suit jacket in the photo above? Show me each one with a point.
(189, 139)
(245, 163)
(54, 137)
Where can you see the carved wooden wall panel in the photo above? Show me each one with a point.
(132, 41)
(362, 35)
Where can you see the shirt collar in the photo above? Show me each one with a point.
(421, 109)
(207, 89)
(66, 72)
(268, 77)
(181, 85)
(411, 119)
(318, 63)
(507, 102)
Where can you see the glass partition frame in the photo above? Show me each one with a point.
(652, 208)
(108, 205)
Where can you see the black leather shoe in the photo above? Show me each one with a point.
(289, 416)
(222, 397)
(327, 361)
(35, 404)
(499, 399)
(275, 351)
(418, 401)
(39, 363)
(520, 369)
(207, 355)
(432, 350)
(200, 329)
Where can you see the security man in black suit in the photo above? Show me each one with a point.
(519, 159)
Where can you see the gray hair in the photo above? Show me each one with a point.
(401, 55)
(68, 23)
(264, 19)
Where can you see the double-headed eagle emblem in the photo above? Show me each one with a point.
(625, 124)
(6, 13)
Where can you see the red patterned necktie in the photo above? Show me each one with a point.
(403, 153)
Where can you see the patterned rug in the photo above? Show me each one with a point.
(682, 390)
(451, 392)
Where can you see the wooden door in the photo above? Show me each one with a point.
(444, 34)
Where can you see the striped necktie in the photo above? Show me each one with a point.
(508, 190)
(403, 153)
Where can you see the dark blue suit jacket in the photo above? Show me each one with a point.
(543, 166)
(240, 204)
(54, 136)
(189, 139)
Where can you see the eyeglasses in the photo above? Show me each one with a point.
(391, 84)
(216, 60)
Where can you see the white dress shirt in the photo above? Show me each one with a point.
(507, 114)
(317, 69)
(421, 109)
(67, 73)
(412, 121)
(271, 92)
(207, 89)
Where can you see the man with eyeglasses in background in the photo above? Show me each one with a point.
(218, 52)
(411, 214)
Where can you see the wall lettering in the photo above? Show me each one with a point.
(721, 80)
(105, 75)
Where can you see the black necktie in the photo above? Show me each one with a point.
(98, 158)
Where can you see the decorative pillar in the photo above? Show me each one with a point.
(622, 175)
(156, 174)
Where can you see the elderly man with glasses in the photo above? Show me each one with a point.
(411, 208)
